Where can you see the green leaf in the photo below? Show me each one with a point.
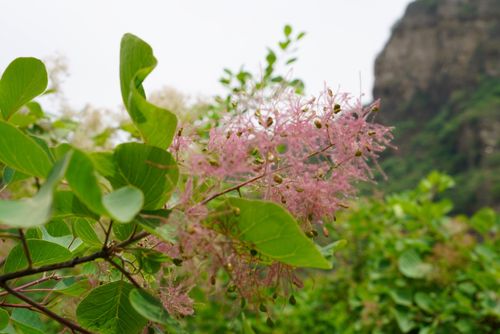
(411, 265)
(150, 261)
(156, 125)
(11, 175)
(83, 229)
(107, 310)
(246, 326)
(124, 231)
(148, 306)
(42, 253)
(36, 210)
(404, 319)
(121, 205)
(287, 30)
(82, 179)
(57, 228)
(28, 321)
(424, 301)
(272, 231)
(21, 152)
(124, 204)
(155, 223)
(484, 220)
(4, 318)
(23, 80)
(330, 249)
(72, 287)
(401, 296)
(66, 204)
(148, 168)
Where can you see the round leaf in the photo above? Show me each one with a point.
(23, 80)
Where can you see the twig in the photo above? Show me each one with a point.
(25, 247)
(108, 232)
(8, 236)
(32, 283)
(16, 305)
(125, 273)
(45, 310)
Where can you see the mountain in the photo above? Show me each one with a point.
(438, 78)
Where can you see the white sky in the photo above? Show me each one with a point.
(194, 40)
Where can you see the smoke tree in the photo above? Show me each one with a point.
(114, 241)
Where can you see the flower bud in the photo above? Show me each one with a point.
(277, 178)
(336, 108)
(269, 121)
(317, 123)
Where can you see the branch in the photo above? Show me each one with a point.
(102, 254)
(45, 310)
(25, 247)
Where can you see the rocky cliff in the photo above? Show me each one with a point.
(439, 81)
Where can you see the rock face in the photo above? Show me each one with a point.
(439, 81)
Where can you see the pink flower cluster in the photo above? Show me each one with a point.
(303, 153)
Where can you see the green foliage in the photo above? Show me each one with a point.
(408, 267)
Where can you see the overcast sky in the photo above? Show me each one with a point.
(194, 39)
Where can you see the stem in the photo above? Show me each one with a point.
(125, 273)
(25, 247)
(236, 187)
(44, 310)
(108, 232)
